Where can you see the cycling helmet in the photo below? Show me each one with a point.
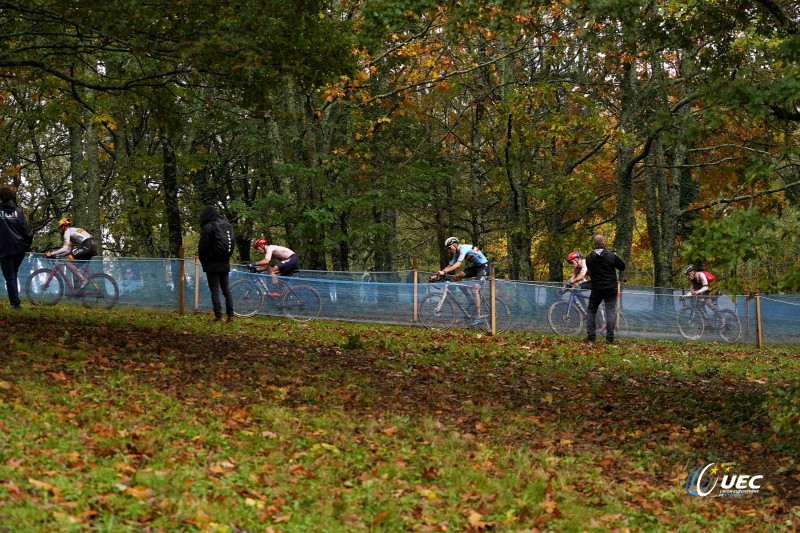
(64, 222)
(688, 269)
(449, 241)
(260, 242)
(573, 256)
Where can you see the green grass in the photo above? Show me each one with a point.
(131, 421)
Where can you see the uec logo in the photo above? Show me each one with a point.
(703, 480)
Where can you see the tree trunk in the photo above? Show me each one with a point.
(170, 180)
(625, 215)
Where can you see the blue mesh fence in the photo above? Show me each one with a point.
(388, 297)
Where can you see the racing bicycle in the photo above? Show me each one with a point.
(692, 319)
(46, 287)
(568, 316)
(297, 301)
(437, 309)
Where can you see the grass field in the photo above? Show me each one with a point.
(147, 421)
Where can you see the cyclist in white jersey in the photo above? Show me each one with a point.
(287, 259)
(78, 244)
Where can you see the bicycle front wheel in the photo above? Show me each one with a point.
(434, 313)
(502, 319)
(565, 319)
(730, 327)
(690, 323)
(101, 291)
(248, 298)
(301, 303)
(40, 291)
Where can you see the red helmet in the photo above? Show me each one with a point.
(259, 243)
(573, 256)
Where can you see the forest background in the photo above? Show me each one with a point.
(363, 133)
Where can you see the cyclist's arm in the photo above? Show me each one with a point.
(267, 258)
(578, 274)
(449, 268)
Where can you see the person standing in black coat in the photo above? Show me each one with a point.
(215, 267)
(15, 239)
(603, 266)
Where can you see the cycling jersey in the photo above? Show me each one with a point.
(699, 283)
(579, 272)
(468, 255)
(281, 253)
(72, 237)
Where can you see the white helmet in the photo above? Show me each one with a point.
(449, 241)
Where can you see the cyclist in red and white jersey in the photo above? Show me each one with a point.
(287, 258)
(78, 244)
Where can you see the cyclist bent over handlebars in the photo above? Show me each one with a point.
(78, 244)
(476, 267)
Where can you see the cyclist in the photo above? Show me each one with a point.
(78, 245)
(476, 267)
(287, 259)
(699, 285)
(579, 270)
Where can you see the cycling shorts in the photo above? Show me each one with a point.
(477, 271)
(84, 251)
(287, 267)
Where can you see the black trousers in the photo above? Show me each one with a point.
(10, 266)
(609, 296)
(215, 281)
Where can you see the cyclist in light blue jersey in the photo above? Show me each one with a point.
(475, 266)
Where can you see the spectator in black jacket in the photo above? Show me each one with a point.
(603, 266)
(15, 239)
(216, 268)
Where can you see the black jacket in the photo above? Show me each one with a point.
(15, 235)
(205, 248)
(603, 266)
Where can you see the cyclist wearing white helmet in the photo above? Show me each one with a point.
(475, 264)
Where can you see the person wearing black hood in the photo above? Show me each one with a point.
(15, 239)
(215, 267)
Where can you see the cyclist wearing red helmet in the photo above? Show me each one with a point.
(578, 264)
(287, 259)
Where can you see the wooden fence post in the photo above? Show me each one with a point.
(759, 340)
(181, 289)
(492, 303)
(415, 318)
(196, 284)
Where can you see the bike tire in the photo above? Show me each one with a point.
(430, 318)
(301, 303)
(502, 319)
(621, 328)
(690, 322)
(248, 298)
(731, 326)
(565, 320)
(102, 291)
(41, 293)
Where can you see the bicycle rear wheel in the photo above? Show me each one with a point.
(40, 291)
(502, 319)
(690, 323)
(621, 327)
(434, 313)
(565, 319)
(101, 291)
(248, 298)
(730, 327)
(301, 302)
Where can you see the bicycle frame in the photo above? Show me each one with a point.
(60, 266)
(446, 291)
